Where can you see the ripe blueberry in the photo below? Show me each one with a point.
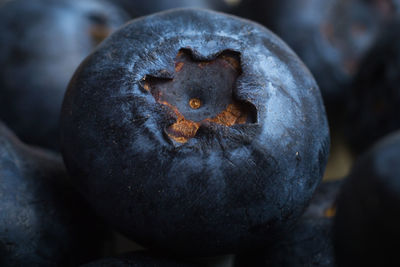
(331, 37)
(374, 98)
(41, 44)
(196, 132)
(43, 220)
(366, 225)
(309, 243)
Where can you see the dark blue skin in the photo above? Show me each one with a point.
(42, 42)
(331, 37)
(43, 220)
(374, 98)
(141, 259)
(226, 189)
(260, 11)
(366, 226)
(310, 241)
(138, 8)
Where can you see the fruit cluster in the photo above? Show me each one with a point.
(199, 136)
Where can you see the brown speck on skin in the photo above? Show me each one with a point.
(231, 116)
(328, 32)
(180, 53)
(178, 66)
(232, 61)
(203, 64)
(350, 66)
(330, 212)
(99, 33)
(358, 29)
(385, 7)
(182, 130)
(146, 86)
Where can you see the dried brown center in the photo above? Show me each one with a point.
(201, 91)
(194, 103)
(99, 29)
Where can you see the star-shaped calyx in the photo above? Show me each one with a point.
(201, 91)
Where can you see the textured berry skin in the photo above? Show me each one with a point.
(374, 98)
(43, 220)
(309, 243)
(366, 226)
(42, 42)
(227, 188)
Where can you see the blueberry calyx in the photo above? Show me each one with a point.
(201, 93)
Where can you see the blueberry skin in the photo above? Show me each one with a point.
(145, 7)
(366, 226)
(43, 220)
(374, 98)
(140, 259)
(323, 203)
(259, 11)
(309, 243)
(331, 37)
(42, 42)
(228, 188)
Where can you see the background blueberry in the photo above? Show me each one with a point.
(366, 226)
(374, 99)
(309, 243)
(204, 185)
(41, 44)
(331, 37)
(43, 220)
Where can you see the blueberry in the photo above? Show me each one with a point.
(43, 220)
(195, 132)
(41, 44)
(366, 226)
(374, 98)
(309, 243)
(331, 37)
